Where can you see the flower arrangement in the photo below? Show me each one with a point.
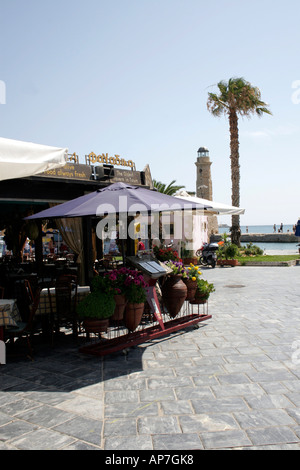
(166, 254)
(192, 272)
(126, 281)
(117, 278)
(177, 267)
(135, 285)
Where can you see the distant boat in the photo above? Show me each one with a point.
(223, 226)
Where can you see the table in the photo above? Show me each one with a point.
(9, 315)
(47, 307)
(47, 304)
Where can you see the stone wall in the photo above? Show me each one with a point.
(262, 237)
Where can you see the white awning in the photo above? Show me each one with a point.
(218, 208)
(20, 159)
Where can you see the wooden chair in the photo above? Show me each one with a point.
(25, 328)
(2, 291)
(29, 290)
(65, 307)
(69, 279)
(25, 297)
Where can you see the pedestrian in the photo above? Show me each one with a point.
(141, 246)
(274, 228)
(281, 227)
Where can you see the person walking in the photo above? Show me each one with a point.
(141, 246)
(274, 228)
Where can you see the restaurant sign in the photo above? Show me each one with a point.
(70, 170)
(105, 159)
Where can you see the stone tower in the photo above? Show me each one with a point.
(204, 185)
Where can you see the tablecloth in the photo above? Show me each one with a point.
(47, 302)
(9, 313)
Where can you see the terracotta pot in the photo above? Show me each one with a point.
(95, 326)
(133, 315)
(191, 288)
(174, 292)
(120, 307)
(199, 298)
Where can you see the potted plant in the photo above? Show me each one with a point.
(95, 310)
(188, 256)
(166, 254)
(204, 289)
(116, 280)
(190, 277)
(227, 253)
(174, 290)
(135, 292)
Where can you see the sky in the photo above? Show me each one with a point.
(131, 78)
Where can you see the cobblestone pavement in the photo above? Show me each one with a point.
(231, 383)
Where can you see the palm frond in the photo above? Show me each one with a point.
(170, 189)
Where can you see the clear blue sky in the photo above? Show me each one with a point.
(131, 77)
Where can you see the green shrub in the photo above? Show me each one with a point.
(97, 305)
(231, 251)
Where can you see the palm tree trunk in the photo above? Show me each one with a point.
(235, 176)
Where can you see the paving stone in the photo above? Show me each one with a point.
(46, 416)
(225, 439)
(42, 439)
(19, 406)
(84, 406)
(238, 390)
(15, 429)
(219, 405)
(180, 407)
(88, 430)
(120, 427)
(194, 393)
(4, 419)
(171, 382)
(132, 384)
(131, 410)
(263, 418)
(138, 443)
(208, 422)
(268, 401)
(158, 425)
(272, 435)
(157, 395)
(80, 445)
(125, 396)
(177, 442)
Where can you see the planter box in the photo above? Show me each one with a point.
(188, 261)
(227, 262)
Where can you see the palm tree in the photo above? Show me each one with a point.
(170, 189)
(236, 97)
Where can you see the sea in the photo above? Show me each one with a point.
(269, 248)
